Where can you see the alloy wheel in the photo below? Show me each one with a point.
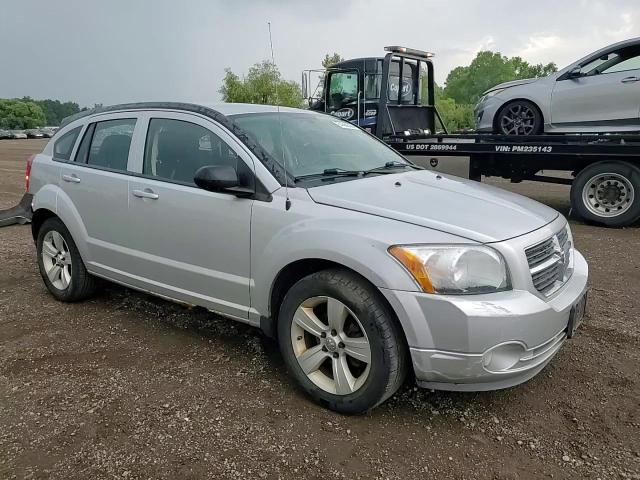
(56, 259)
(330, 345)
(518, 119)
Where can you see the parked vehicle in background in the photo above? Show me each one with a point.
(17, 134)
(4, 134)
(598, 93)
(34, 133)
(47, 132)
(340, 255)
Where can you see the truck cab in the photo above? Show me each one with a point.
(386, 95)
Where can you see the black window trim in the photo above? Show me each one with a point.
(90, 130)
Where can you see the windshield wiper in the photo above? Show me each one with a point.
(391, 166)
(341, 172)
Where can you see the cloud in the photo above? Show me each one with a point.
(93, 51)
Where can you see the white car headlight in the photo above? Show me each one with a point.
(454, 269)
(494, 92)
(490, 94)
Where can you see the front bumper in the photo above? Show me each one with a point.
(486, 342)
(485, 113)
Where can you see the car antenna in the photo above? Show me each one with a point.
(287, 203)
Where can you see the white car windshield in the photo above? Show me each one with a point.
(314, 143)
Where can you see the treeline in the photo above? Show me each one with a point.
(25, 113)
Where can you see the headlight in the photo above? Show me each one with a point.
(491, 94)
(494, 92)
(454, 269)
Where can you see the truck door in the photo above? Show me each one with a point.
(342, 96)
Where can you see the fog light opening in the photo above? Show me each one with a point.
(502, 357)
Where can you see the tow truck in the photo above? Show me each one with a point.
(393, 98)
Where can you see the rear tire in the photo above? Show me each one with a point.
(607, 193)
(519, 117)
(367, 354)
(60, 264)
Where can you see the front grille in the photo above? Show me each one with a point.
(549, 262)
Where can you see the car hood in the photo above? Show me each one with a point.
(451, 204)
(513, 83)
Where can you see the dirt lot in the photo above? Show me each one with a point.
(130, 386)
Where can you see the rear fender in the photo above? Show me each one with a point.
(53, 198)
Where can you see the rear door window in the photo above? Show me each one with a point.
(64, 145)
(176, 149)
(110, 144)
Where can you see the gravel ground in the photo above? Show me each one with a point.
(129, 386)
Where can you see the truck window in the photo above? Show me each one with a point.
(343, 89)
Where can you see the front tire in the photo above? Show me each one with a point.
(60, 264)
(608, 193)
(519, 117)
(340, 341)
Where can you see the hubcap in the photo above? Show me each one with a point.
(608, 195)
(331, 345)
(518, 120)
(56, 259)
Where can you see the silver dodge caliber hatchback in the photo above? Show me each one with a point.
(365, 268)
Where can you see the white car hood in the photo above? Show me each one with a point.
(451, 204)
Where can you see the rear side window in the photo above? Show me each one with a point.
(175, 149)
(64, 145)
(110, 144)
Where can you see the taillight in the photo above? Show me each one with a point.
(27, 173)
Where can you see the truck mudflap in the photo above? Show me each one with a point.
(20, 214)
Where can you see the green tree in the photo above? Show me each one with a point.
(260, 86)
(19, 114)
(55, 110)
(330, 60)
(465, 85)
(455, 116)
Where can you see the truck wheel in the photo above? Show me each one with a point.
(519, 117)
(340, 341)
(608, 193)
(60, 265)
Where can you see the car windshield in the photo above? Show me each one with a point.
(316, 143)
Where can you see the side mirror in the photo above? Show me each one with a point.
(305, 86)
(575, 73)
(220, 178)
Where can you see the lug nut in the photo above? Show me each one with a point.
(324, 349)
(323, 335)
(341, 345)
(335, 355)
(334, 333)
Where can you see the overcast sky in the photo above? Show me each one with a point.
(99, 51)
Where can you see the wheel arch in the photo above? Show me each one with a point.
(297, 270)
(39, 217)
(518, 99)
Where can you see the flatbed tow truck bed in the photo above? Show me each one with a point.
(605, 167)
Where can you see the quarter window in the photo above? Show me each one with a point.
(110, 144)
(64, 145)
(176, 149)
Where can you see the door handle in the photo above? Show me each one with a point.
(146, 193)
(71, 178)
(630, 79)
